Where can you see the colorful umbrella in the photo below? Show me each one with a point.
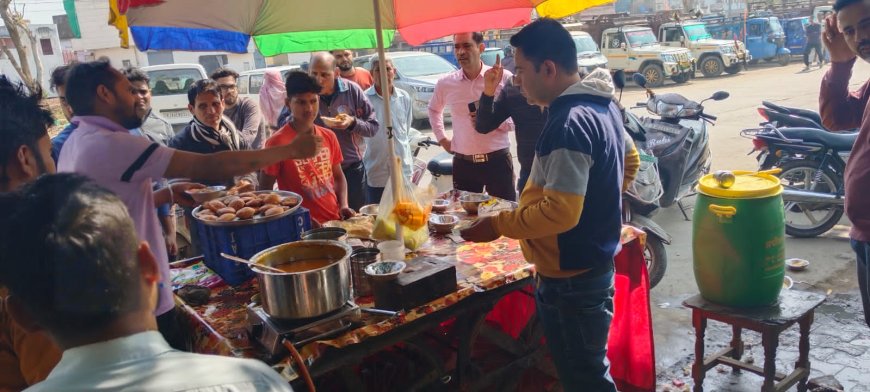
(285, 26)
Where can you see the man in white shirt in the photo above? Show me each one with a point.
(377, 158)
(75, 268)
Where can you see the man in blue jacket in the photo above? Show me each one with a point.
(569, 216)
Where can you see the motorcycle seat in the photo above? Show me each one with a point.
(812, 115)
(835, 141)
(441, 165)
(792, 120)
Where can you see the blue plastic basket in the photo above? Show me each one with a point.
(246, 241)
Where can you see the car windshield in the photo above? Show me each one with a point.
(488, 56)
(640, 37)
(697, 32)
(584, 44)
(422, 65)
(172, 81)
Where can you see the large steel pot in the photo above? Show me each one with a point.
(309, 293)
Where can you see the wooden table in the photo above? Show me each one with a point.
(792, 307)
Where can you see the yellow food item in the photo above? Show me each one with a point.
(246, 213)
(274, 211)
(410, 214)
(215, 205)
(289, 202)
(266, 207)
(208, 217)
(236, 204)
(227, 217)
(254, 203)
(272, 198)
(225, 210)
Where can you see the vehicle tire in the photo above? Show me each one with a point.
(656, 259)
(753, 62)
(654, 74)
(712, 66)
(794, 175)
(733, 69)
(783, 59)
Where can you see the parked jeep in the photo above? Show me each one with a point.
(636, 49)
(714, 56)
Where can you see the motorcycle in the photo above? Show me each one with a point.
(812, 163)
(678, 139)
(784, 116)
(440, 167)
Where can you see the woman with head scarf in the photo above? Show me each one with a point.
(272, 94)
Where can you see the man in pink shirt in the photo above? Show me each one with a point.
(480, 160)
(103, 149)
(847, 36)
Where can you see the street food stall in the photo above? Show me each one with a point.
(492, 302)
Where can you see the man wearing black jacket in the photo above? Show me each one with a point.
(528, 119)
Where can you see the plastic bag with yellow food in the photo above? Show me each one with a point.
(409, 208)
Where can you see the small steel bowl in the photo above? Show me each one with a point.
(385, 270)
(369, 210)
(797, 264)
(440, 205)
(325, 233)
(203, 195)
(443, 224)
(471, 201)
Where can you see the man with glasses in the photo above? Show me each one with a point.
(242, 111)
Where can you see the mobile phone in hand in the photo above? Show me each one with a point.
(472, 107)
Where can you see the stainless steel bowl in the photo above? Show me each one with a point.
(325, 233)
(440, 205)
(369, 210)
(471, 201)
(203, 195)
(443, 224)
(309, 293)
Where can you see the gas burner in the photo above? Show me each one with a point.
(270, 332)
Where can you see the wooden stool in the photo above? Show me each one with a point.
(793, 307)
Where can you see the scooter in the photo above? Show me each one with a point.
(812, 163)
(440, 167)
(640, 201)
(678, 139)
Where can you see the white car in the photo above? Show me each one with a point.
(416, 73)
(250, 81)
(169, 84)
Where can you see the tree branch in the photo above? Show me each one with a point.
(14, 21)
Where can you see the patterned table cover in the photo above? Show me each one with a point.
(219, 325)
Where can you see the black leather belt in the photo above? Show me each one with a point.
(482, 158)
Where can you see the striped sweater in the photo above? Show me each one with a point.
(569, 218)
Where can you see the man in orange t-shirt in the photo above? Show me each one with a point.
(319, 180)
(358, 75)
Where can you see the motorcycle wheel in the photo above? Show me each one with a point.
(656, 259)
(798, 174)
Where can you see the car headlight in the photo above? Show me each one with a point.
(423, 89)
(669, 58)
(727, 49)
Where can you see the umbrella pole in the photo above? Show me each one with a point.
(395, 169)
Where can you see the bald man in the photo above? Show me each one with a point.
(341, 96)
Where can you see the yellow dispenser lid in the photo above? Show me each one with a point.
(747, 185)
